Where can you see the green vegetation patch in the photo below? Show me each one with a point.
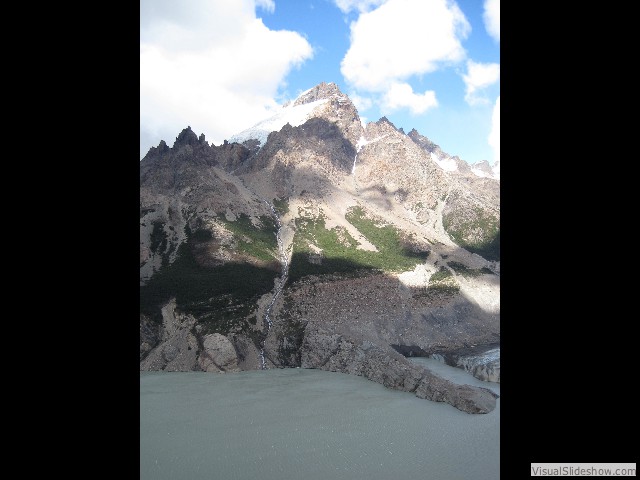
(479, 232)
(336, 257)
(465, 271)
(395, 252)
(339, 249)
(441, 284)
(221, 297)
(441, 276)
(281, 206)
(256, 241)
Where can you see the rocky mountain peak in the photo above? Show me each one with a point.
(163, 147)
(324, 101)
(382, 127)
(157, 152)
(424, 142)
(335, 107)
(445, 161)
(322, 91)
(187, 137)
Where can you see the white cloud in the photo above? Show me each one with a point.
(211, 65)
(401, 95)
(494, 135)
(403, 38)
(268, 5)
(491, 18)
(361, 103)
(360, 5)
(479, 76)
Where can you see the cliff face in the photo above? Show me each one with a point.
(323, 244)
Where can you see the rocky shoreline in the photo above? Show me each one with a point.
(178, 345)
(334, 353)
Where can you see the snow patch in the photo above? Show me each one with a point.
(302, 94)
(361, 143)
(496, 170)
(293, 115)
(479, 173)
(447, 164)
(495, 173)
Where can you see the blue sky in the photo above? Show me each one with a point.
(221, 66)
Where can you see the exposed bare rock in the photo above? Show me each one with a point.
(247, 352)
(149, 335)
(447, 162)
(426, 144)
(385, 311)
(471, 213)
(391, 163)
(339, 110)
(218, 354)
(318, 144)
(177, 348)
(337, 353)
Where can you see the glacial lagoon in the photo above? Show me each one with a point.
(309, 424)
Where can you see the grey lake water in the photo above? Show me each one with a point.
(309, 424)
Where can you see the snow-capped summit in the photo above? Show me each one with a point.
(291, 113)
(325, 100)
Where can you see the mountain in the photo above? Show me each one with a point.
(311, 240)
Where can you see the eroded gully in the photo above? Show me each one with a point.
(279, 286)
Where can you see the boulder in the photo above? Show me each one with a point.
(218, 354)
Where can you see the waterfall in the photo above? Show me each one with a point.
(281, 282)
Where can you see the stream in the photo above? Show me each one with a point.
(280, 285)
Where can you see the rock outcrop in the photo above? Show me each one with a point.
(149, 335)
(335, 353)
(338, 110)
(218, 354)
(177, 349)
